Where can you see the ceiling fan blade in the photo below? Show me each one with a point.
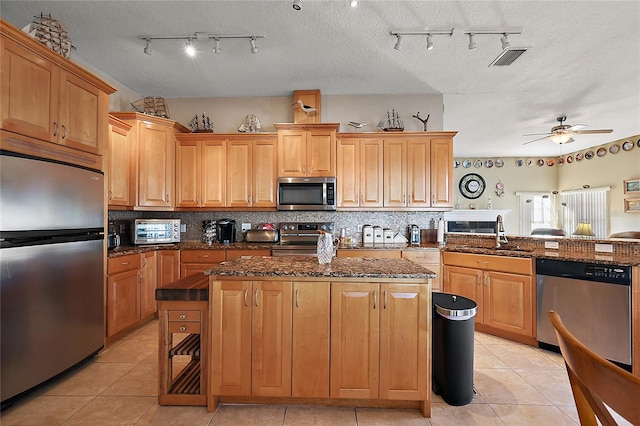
(538, 134)
(594, 131)
(576, 127)
(544, 137)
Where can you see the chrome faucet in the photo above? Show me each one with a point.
(501, 238)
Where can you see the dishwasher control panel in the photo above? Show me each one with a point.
(613, 274)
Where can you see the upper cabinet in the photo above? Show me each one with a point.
(120, 165)
(154, 139)
(48, 98)
(306, 150)
(395, 171)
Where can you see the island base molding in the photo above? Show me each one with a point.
(424, 406)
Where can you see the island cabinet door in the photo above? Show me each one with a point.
(310, 350)
(271, 342)
(404, 343)
(354, 340)
(230, 358)
(465, 282)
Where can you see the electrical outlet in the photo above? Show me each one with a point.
(604, 248)
(551, 245)
(359, 228)
(183, 227)
(245, 227)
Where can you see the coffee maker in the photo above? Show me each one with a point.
(226, 231)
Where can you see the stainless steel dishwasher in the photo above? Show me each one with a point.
(594, 302)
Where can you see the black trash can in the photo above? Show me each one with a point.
(453, 322)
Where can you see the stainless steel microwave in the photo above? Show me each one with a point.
(156, 231)
(306, 193)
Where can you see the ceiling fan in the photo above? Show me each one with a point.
(563, 133)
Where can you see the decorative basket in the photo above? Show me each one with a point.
(152, 106)
(50, 32)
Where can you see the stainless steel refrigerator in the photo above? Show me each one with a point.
(51, 265)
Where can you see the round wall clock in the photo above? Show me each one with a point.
(472, 186)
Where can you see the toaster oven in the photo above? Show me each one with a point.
(156, 231)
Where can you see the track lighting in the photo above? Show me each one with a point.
(505, 42)
(297, 4)
(429, 42)
(202, 38)
(399, 40)
(472, 42)
(147, 48)
(354, 3)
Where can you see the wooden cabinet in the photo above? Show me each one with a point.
(197, 261)
(306, 149)
(430, 259)
(251, 175)
(251, 338)
(501, 286)
(46, 97)
(168, 266)
(359, 173)
(183, 352)
(442, 172)
(123, 289)
(148, 284)
(121, 167)
(200, 172)
(369, 322)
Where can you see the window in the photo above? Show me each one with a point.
(537, 210)
(586, 205)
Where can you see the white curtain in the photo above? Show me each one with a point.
(586, 205)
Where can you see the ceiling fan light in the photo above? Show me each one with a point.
(561, 138)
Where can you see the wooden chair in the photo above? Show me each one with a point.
(596, 381)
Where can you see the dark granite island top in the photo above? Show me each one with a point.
(308, 267)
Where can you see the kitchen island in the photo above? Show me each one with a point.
(285, 330)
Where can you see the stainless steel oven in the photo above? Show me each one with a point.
(300, 238)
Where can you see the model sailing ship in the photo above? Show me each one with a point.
(391, 122)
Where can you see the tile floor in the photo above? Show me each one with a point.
(516, 385)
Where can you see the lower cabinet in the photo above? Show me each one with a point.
(501, 286)
(197, 261)
(123, 292)
(148, 284)
(168, 266)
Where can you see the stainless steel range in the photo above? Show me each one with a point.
(300, 238)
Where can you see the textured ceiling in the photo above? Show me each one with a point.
(584, 58)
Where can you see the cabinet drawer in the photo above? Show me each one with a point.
(422, 256)
(190, 316)
(486, 262)
(202, 256)
(123, 263)
(184, 327)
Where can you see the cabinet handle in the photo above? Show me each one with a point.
(204, 255)
(110, 195)
(297, 293)
(433, 199)
(183, 328)
(256, 297)
(385, 300)
(487, 280)
(64, 132)
(246, 290)
(55, 132)
(183, 316)
(167, 200)
(124, 263)
(375, 298)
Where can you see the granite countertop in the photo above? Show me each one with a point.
(300, 266)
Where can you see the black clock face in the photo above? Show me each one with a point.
(471, 186)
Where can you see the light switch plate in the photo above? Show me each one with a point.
(551, 245)
(604, 248)
(183, 227)
(246, 227)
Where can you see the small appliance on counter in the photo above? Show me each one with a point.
(226, 231)
(262, 236)
(367, 234)
(118, 233)
(414, 235)
(387, 235)
(156, 231)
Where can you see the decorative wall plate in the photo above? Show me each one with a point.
(471, 186)
(466, 164)
(588, 155)
(519, 163)
(456, 164)
(601, 152)
(638, 143)
(569, 159)
(550, 162)
(627, 145)
(613, 149)
(488, 164)
(529, 162)
(499, 162)
(540, 162)
(477, 164)
(560, 161)
(579, 156)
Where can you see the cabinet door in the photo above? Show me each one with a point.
(168, 267)
(404, 321)
(508, 303)
(465, 282)
(155, 165)
(348, 173)
(418, 190)
(148, 284)
(310, 351)
(271, 339)
(230, 360)
(292, 153)
(394, 173)
(123, 306)
(214, 171)
(239, 171)
(82, 114)
(30, 93)
(321, 153)
(264, 174)
(442, 172)
(371, 173)
(354, 340)
(120, 166)
(188, 173)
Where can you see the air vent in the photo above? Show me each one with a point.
(508, 56)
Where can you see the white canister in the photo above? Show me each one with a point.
(367, 234)
(378, 235)
(387, 235)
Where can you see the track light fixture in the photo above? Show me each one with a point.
(509, 54)
(147, 48)
(505, 43)
(429, 33)
(472, 42)
(297, 4)
(201, 37)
